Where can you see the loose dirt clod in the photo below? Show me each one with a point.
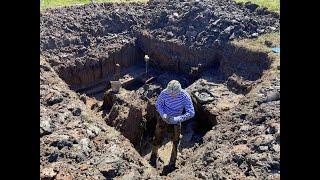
(89, 131)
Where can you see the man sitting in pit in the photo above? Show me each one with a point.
(170, 105)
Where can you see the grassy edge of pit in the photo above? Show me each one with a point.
(258, 45)
(272, 5)
(54, 4)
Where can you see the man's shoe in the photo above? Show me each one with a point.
(168, 169)
(153, 160)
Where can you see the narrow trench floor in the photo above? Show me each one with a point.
(190, 140)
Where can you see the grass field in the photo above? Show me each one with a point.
(61, 3)
(273, 5)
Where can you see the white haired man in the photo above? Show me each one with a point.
(170, 105)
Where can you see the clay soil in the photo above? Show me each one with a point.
(89, 132)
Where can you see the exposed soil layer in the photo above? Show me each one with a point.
(227, 59)
(75, 143)
(89, 132)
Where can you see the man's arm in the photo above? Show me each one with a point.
(160, 104)
(188, 107)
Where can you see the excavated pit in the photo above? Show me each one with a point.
(216, 79)
(185, 40)
(227, 61)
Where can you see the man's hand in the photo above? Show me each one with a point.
(177, 119)
(174, 120)
(165, 118)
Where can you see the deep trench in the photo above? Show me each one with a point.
(170, 61)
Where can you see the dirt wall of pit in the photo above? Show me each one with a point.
(227, 58)
(169, 55)
(244, 62)
(97, 68)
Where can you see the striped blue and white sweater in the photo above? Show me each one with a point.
(173, 107)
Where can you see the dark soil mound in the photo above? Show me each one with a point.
(206, 23)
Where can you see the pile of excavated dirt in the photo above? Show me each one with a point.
(202, 24)
(89, 132)
(88, 39)
(195, 23)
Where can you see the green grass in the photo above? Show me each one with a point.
(258, 45)
(45, 4)
(260, 41)
(273, 5)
